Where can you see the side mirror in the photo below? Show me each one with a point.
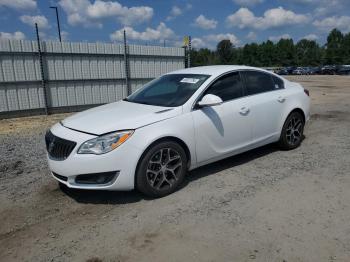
(210, 100)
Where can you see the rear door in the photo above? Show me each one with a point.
(222, 129)
(266, 101)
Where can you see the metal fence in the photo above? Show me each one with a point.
(76, 75)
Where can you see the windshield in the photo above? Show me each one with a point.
(168, 90)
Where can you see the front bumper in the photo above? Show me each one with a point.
(123, 161)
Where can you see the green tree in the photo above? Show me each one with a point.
(224, 50)
(267, 53)
(251, 55)
(203, 56)
(334, 52)
(285, 52)
(346, 49)
(308, 53)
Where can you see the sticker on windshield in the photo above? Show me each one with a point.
(189, 80)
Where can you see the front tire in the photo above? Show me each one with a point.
(161, 169)
(292, 131)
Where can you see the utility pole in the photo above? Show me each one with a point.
(189, 51)
(58, 22)
(126, 63)
(43, 83)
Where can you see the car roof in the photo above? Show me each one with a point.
(215, 70)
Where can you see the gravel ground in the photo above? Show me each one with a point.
(263, 205)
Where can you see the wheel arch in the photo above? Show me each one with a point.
(165, 139)
(295, 109)
(299, 110)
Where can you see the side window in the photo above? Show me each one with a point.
(279, 84)
(227, 87)
(258, 82)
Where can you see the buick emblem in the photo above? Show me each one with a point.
(51, 145)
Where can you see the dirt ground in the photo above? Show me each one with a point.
(263, 205)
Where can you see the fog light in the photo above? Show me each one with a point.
(97, 178)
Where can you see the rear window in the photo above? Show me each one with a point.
(258, 82)
(279, 83)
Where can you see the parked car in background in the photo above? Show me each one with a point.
(299, 71)
(314, 70)
(344, 70)
(290, 69)
(177, 122)
(282, 71)
(329, 70)
(286, 70)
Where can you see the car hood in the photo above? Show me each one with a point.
(116, 116)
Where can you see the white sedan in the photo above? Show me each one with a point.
(175, 123)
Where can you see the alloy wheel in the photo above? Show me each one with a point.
(294, 131)
(164, 168)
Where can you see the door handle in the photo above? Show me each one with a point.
(281, 99)
(244, 110)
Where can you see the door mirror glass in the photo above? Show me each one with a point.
(210, 100)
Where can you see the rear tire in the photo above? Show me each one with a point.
(161, 169)
(292, 131)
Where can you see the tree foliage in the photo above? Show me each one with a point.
(283, 53)
(224, 50)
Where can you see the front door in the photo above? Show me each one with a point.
(223, 129)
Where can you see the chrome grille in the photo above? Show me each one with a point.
(58, 148)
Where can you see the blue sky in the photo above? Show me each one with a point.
(155, 21)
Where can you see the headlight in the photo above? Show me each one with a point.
(104, 144)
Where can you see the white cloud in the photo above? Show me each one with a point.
(218, 37)
(64, 35)
(39, 19)
(76, 11)
(90, 14)
(162, 32)
(177, 11)
(19, 4)
(12, 36)
(310, 37)
(125, 15)
(302, 1)
(247, 2)
(210, 41)
(251, 36)
(323, 7)
(275, 17)
(328, 23)
(198, 43)
(205, 23)
(277, 38)
(326, 7)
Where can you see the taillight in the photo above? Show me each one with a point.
(306, 92)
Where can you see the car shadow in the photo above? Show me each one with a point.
(127, 197)
(215, 119)
(103, 196)
(230, 162)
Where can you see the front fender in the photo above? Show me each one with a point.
(180, 127)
